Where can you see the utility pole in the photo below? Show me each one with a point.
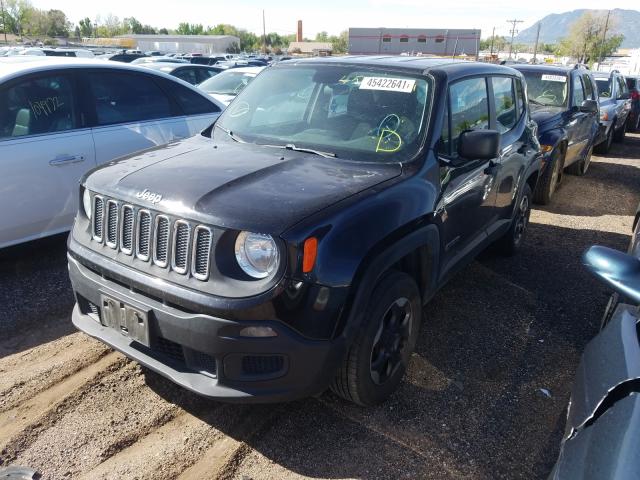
(4, 22)
(493, 37)
(264, 35)
(535, 49)
(604, 37)
(513, 32)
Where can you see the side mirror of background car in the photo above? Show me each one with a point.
(618, 270)
(479, 144)
(589, 106)
(624, 96)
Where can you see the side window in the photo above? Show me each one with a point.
(588, 87)
(519, 96)
(187, 74)
(37, 106)
(622, 87)
(505, 103)
(469, 108)
(205, 74)
(578, 92)
(443, 147)
(125, 97)
(190, 102)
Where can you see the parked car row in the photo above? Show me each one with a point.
(292, 245)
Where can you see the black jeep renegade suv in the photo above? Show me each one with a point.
(292, 245)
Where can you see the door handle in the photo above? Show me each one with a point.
(66, 159)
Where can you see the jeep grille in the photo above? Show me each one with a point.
(173, 243)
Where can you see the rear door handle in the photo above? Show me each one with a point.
(66, 159)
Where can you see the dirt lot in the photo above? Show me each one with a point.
(470, 407)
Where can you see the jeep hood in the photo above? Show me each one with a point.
(545, 116)
(235, 185)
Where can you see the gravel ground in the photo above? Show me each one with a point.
(472, 404)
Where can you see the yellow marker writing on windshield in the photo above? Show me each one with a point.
(385, 135)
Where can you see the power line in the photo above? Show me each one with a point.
(513, 32)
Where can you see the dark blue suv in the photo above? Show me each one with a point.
(564, 103)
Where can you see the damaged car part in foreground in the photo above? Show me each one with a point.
(246, 272)
(603, 422)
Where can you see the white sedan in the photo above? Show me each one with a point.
(61, 117)
(225, 86)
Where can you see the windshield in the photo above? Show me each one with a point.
(227, 83)
(349, 111)
(604, 87)
(546, 89)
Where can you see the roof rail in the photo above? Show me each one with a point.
(581, 65)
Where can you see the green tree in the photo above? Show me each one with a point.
(586, 40)
(340, 44)
(57, 24)
(322, 37)
(86, 27)
(163, 31)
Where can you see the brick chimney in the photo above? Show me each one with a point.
(299, 34)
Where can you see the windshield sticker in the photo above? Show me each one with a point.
(554, 78)
(389, 141)
(388, 84)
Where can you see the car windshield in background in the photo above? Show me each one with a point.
(230, 83)
(368, 115)
(546, 89)
(604, 87)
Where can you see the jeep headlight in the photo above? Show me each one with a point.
(257, 254)
(86, 203)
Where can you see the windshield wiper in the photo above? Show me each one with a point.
(291, 146)
(535, 102)
(230, 133)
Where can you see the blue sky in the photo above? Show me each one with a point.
(330, 15)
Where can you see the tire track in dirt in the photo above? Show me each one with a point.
(20, 425)
(24, 375)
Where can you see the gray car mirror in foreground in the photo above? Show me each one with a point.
(589, 106)
(479, 144)
(616, 269)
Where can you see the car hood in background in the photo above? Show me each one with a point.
(235, 185)
(546, 115)
(222, 98)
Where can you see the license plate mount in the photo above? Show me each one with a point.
(130, 321)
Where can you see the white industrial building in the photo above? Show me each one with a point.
(415, 41)
(205, 44)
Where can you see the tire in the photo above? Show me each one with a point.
(605, 146)
(548, 184)
(377, 359)
(513, 239)
(618, 136)
(581, 167)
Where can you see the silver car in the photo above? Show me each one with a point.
(61, 117)
(602, 435)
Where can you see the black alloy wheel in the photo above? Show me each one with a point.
(378, 357)
(390, 340)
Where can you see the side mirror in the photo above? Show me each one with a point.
(589, 106)
(479, 144)
(624, 96)
(618, 270)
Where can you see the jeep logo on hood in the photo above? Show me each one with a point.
(154, 198)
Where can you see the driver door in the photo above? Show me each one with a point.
(467, 202)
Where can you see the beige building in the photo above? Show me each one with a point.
(316, 49)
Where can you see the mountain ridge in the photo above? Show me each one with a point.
(557, 25)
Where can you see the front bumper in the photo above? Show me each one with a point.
(206, 354)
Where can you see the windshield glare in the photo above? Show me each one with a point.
(546, 89)
(604, 87)
(227, 83)
(355, 113)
